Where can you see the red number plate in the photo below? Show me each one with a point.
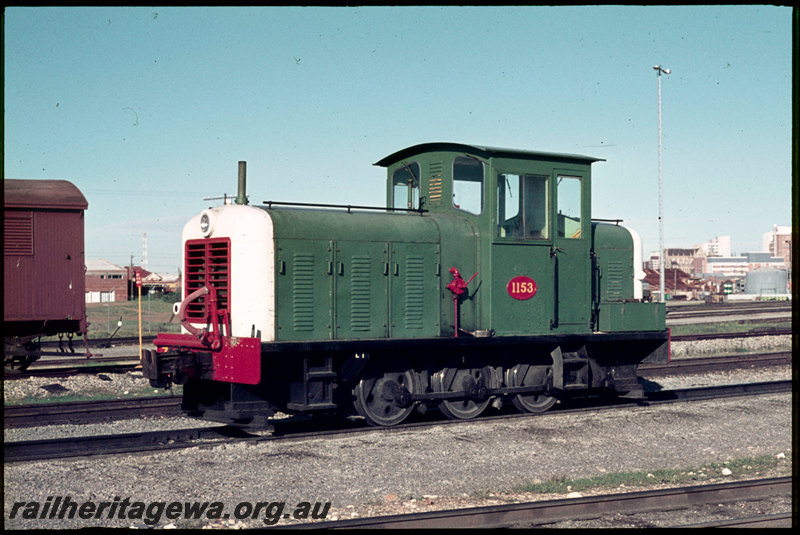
(521, 287)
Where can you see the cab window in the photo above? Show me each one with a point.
(468, 184)
(523, 206)
(405, 187)
(569, 206)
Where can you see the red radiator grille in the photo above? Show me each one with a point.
(207, 264)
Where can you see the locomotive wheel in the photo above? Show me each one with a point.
(383, 397)
(474, 381)
(527, 375)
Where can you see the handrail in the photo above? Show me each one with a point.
(348, 207)
(182, 312)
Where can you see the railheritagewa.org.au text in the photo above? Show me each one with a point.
(151, 513)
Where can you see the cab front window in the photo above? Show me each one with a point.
(468, 184)
(523, 206)
(405, 187)
(569, 206)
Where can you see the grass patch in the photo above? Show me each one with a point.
(156, 317)
(111, 392)
(751, 466)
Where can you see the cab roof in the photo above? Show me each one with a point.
(486, 152)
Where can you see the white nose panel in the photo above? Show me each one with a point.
(252, 265)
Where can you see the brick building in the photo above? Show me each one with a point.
(106, 282)
(778, 242)
(153, 282)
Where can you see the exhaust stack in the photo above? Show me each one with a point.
(241, 197)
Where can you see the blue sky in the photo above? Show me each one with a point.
(148, 110)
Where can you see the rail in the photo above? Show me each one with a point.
(542, 513)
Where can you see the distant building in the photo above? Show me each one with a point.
(653, 262)
(105, 282)
(718, 246)
(682, 259)
(729, 267)
(677, 284)
(153, 282)
(162, 283)
(108, 283)
(764, 260)
(778, 242)
(739, 266)
(767, 282)
(699, 262)
(712, 264)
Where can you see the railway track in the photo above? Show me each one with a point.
(739, 307)
(547, 513)
(68, 371)
(697, 365)
(81, 412)
(744, 313)
(297, 429)
(100, 343)
(724, 336)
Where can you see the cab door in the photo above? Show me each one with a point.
(523, 283)
(571, 247)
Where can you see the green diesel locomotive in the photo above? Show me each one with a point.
(483, 280)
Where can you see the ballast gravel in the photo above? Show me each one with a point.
(731, 345)
(393, 471)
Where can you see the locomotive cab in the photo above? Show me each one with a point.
(531, 211)
(539, 259)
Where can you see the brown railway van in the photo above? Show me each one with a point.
(44, 267)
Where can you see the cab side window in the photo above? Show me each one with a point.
(569, 206)
(405, 187)
(523, 206)
(468, 184)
